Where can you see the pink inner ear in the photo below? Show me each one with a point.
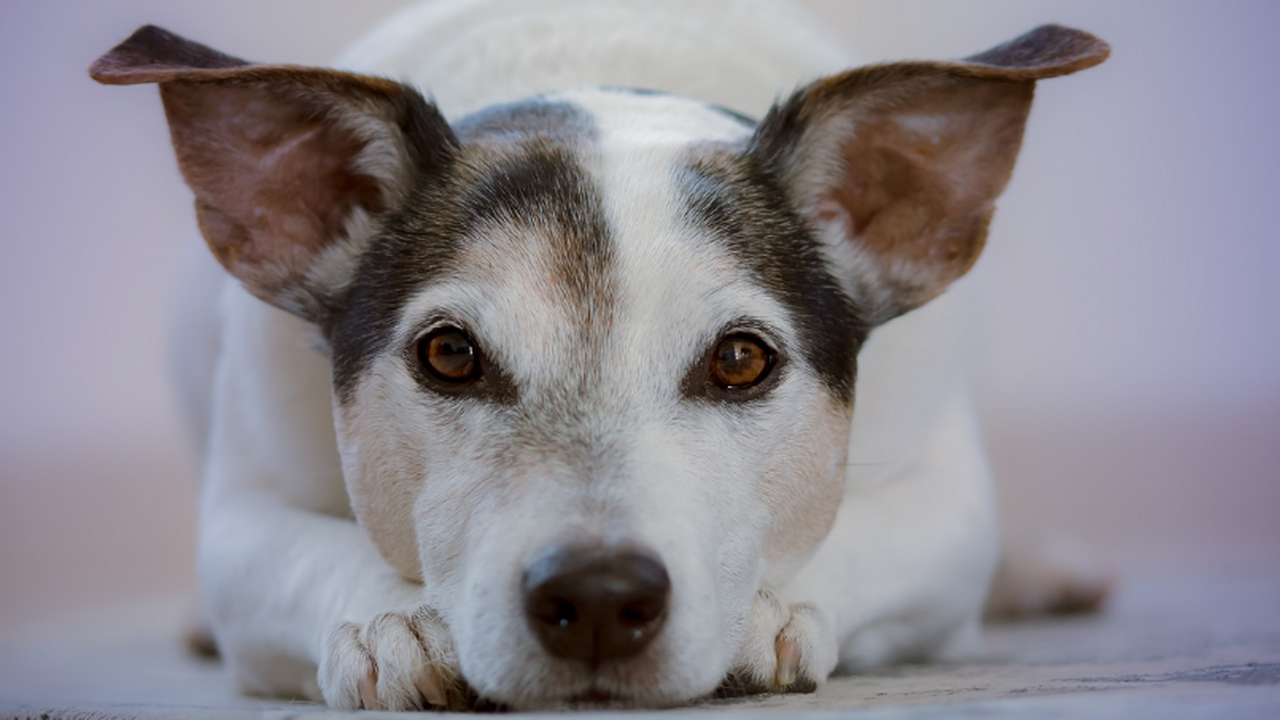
(279, 176)
(921, 178)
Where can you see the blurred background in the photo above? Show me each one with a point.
(1130, 374)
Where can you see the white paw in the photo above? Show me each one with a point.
(396, 661)
(789, 648)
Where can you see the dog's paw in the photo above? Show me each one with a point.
(789, 649)
(1047, 576)
(396, 661)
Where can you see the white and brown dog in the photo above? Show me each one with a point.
(576, 343)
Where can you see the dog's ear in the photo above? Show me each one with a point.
(907, 159)
(288, 164)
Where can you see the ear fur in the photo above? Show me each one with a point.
(903, 162)
(288, 164)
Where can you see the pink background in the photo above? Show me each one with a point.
(1131, 371)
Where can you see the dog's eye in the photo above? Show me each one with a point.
(449, 355)
(740, 361)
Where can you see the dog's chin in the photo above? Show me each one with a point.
(599, 692)
(596, 698)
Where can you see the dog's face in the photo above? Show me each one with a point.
(594, 352)
(621, 338)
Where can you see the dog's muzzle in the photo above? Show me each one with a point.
(594, 604)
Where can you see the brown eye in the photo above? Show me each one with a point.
(449, 355)
(740, 361)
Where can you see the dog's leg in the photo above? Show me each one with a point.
(292, 590)
(296, 592)
(291, 584)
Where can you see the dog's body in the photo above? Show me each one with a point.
(586, 256)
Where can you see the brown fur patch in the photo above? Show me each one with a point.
(911, 156)
(276, 154)
(920, 198)
(803, 490)
(383, 479)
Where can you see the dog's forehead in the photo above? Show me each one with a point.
(594, 222)
(579, 257)
(626, 114)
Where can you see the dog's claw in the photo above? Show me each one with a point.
(367, 688)
(788, 661)
(432, 688)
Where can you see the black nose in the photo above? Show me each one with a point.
(595, 604)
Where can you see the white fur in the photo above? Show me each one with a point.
(902, 573)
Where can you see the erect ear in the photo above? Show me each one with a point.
(902, 162)
(288, 164)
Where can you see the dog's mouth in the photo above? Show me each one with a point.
(595, 698)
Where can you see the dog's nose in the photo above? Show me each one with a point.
(595, 604)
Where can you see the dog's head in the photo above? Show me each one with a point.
(594, 352)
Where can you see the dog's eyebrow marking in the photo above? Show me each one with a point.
(533, 178)
(530, 176)
(416, 245)
(741, 206)
(519, 167)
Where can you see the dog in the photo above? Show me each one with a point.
(542, 393)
